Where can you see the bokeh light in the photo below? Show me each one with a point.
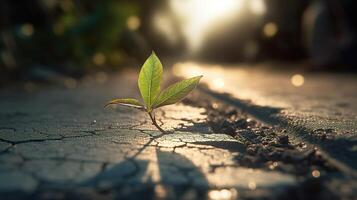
(297, 80)
(160, 192)
(315, 173)
(223, 194)
(99, 59)
(133, 23)
(8, 59)
(252, 185)
(273, 165)
(215, 105)
(27, 29)
(270, 29)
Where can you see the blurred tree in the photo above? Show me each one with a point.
(67, 36)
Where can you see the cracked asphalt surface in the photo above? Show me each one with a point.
(59, 143)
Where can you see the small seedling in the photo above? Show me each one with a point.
(149, 83)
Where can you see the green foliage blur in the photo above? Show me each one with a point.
(75, 37)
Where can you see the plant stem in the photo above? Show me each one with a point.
(155, 123)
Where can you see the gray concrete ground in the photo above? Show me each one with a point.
(60, 143)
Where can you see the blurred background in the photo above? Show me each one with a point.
(72, 38)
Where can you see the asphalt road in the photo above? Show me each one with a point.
(318, 108)
(59, 142)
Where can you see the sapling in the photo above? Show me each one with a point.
(149, 82)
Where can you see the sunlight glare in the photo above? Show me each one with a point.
(218, 83)
(187, 69)
(196, 16)
(213, 76)
(164, 25)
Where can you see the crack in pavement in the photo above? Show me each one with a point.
(336, 151)
(120, 154)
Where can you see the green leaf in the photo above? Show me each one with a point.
(125, 102)
(176, 92)
(150, 79)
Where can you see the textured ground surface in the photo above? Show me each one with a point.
(61, 143)
(322, 111)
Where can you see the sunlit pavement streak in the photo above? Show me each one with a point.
(301, 103)
(61, 143)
